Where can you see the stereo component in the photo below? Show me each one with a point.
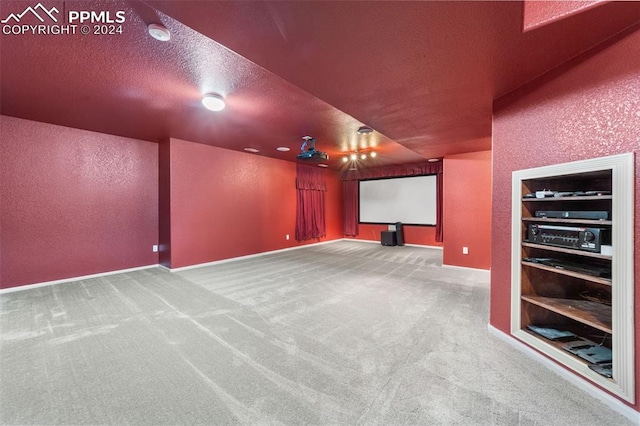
(574, 237)
(557, 214)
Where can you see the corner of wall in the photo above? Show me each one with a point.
(164, 202)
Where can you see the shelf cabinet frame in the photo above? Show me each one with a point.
(622, 269)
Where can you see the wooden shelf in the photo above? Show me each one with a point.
(593, 314)
(559, 345)
(552, 285)
(579, 198)
(579, 221)
(594, 279)
(567, 250)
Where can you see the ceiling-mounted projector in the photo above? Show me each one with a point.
(311, 153)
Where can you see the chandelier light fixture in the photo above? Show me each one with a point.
(365, 152)
(358, 156)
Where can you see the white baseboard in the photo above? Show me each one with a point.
(200, 265)
(120, 271)
(610, 401)
(425, 246)
(66, 280)
(248, 256)
(466, 268)
(362, 241)
(378, 242)
(164, 268)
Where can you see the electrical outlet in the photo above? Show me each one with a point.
(155, 248)
(287, 237)
(465, 250)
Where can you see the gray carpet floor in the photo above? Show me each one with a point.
(338, 334)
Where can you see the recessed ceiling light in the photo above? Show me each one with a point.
(283, 148)
(373, 155)
(363, 130)
(353, 157)
(159, 32)
(252, 150)
(323, 165)
(213, 102)
(345, 159)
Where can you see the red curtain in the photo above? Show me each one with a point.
(310, 186)
(350, 213)
(439, 207)
(417, 169)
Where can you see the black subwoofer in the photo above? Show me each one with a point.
(388, 238)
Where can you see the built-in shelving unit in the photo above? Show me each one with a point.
(572, 289)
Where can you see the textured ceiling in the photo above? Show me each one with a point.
(423, 74)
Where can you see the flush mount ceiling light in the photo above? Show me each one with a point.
(433, 160)
(159, 32)
(283, 148)
(252, 150)
(213, 102)
(323, 165)
(365, 130)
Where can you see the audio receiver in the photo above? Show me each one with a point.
(574, 237)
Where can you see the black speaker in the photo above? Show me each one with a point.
(399, 234)
(388, 238)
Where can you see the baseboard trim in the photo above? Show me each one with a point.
(424, 246)
(362, 241)
(378, 242)
(164, 268)
(66, 280)
(248, 256)
(466, 268)
(120, 271)
(184, 268)
(610, 401)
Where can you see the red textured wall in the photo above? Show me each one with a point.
(74, 202)
(422, 235)
(538, 13)
(467, 210)
(587, 109)
(226, 204)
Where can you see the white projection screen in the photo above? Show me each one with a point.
(410, 200)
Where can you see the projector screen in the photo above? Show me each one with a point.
(410, 200)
